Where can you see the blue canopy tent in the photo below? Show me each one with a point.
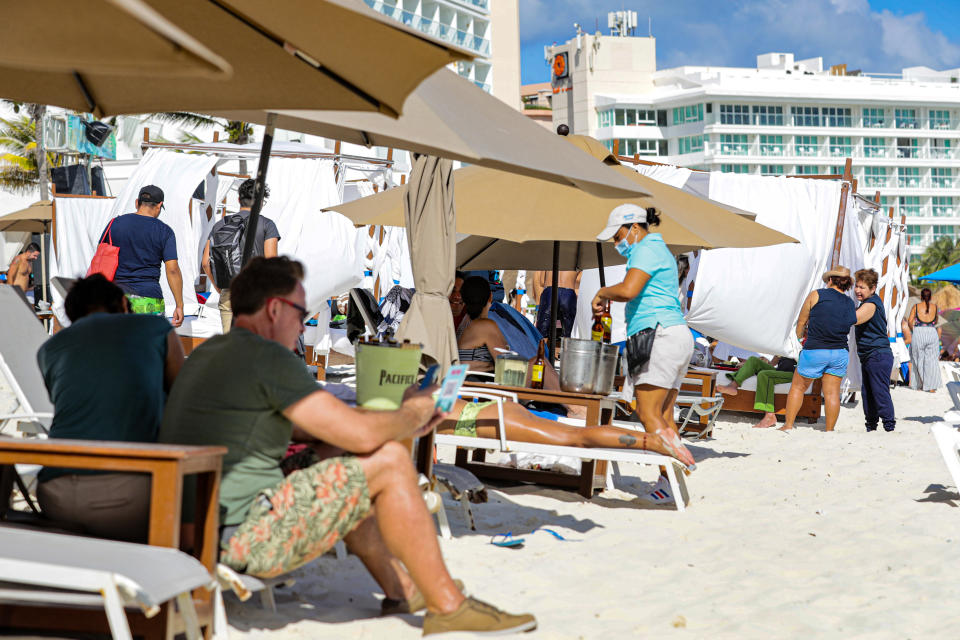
(947, 274)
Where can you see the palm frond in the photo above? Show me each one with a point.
(15, 180)
(187, 119)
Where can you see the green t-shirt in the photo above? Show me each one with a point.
(231, 392)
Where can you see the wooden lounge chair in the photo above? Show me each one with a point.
(615, 456)
(39, 569)
(743, 401)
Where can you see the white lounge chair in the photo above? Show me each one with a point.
(948, 441)
(615, 456)
(20, 339)
(48, 569)
(699, 406)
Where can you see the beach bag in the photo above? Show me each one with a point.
(226, 249)
(106, 258)
(639, 347)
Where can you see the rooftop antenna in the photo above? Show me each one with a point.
(649, 27)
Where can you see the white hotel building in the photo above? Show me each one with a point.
(785, 117)
(488, 28)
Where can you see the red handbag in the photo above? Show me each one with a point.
(106, 258)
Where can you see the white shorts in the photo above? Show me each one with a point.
(669, 359)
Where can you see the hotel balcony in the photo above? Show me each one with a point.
(434, 28)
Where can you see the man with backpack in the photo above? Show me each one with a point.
(223, 252)
(143, 243)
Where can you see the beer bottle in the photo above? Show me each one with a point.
(607, 321)
(596, 331)
(536, 374)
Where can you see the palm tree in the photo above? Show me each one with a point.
(942, 253)
(20, 159)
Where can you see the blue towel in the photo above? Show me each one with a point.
(520, 334)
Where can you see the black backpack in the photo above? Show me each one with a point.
(226, 249)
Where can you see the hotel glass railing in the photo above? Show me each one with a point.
(432, 27)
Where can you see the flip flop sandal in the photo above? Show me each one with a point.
(507, 541)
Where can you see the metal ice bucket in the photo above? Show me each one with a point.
(578, 365)
(606, 369)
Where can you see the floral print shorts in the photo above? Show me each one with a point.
(299, 519)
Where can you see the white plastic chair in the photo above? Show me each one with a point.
(699, 406)
(948, 441)
(21, 337)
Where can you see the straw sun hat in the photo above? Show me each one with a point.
(839, 271)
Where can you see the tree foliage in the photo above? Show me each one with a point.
(943, 252)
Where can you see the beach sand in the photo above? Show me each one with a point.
(788, 535)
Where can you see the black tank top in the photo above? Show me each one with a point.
(830, 321)
(872, 334)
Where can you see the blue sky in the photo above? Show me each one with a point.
(879, 36)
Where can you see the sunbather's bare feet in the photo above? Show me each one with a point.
(729, 389)
(576, 411)
(769, 420)
(784, 428)
(675, 447)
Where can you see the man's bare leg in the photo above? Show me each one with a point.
(406, 527)
(367, 544)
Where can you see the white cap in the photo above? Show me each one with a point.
(621, 215)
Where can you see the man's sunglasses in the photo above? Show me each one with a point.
(303, 312)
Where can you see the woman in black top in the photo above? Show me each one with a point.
(873, 349)
(825, 318)
(925, 345)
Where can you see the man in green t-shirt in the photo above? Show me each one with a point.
(246, 390)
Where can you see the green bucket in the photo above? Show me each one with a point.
(384, 373)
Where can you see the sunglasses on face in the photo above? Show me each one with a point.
(303, 312)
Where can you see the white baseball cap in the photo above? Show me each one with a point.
(621, 215)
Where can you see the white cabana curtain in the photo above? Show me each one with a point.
(178, 174)
(80, 221)
(751, 297)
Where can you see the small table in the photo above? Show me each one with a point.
(167, 465)
(599, 411)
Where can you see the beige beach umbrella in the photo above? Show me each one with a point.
(430, 220)
(450, 117)
(33, 219)
(517, 208)
(294, 54)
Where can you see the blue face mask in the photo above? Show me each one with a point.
(623, 248)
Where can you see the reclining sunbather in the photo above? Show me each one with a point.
(479, 419)
(769, 375)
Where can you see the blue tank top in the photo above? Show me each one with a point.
(830, 321)
(872, 334)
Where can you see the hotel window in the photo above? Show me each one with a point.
(836, 171)
(910, 206)
(631, 146)
(621, 118)
(734, 114)
(908, 148)
(605, 118)
(940, 148)
(689, 144)
(768, 116)
(771, 145)
(908, 177)
(906, 118)
(915, 233)
(873, 117)
(805, 116)
(771, 169)
(804, 170)
(734, 144)
(837, 117)
(735, 168)
(805, 145)
(633, 117)
(942, 207)
(941, 178)
(840, 146)
(875, 176)
(875, 147)
(689, 113)
(944, 231)
(939, 119)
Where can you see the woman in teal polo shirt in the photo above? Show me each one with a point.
(650, 291)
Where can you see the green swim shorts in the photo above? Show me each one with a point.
(146, 306)
(467, 422)
(299, 519)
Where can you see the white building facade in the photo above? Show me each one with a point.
(785, 117)
(488, 28)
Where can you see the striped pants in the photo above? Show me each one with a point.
(925, 358)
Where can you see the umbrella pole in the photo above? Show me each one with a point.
(43, 261)
(265, 147)
(603, 276)
(554, 299)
